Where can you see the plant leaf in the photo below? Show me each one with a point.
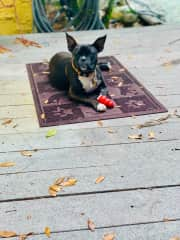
(151, 135)
(109, 236)
(26, 153)
(6, 122)
(47, 231)
(91, 225)
(59, 181)
(99, 179)
(70, 182)
(51, 133)
(7, 234)
(7, 164)
(135, 136)
(25, 236)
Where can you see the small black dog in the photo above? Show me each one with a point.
(78, 72)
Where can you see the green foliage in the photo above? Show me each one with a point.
(108, 12)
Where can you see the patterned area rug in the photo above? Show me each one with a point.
(55, 108)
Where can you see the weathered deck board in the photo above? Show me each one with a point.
(87, 150)
(86, 137)
(149, 168)
(106, 209)
(158, 231)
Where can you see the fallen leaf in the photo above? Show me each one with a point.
(151, 135)
(110, 130)
(115, 78)
(100, 123)
(166, 219)
(26, 153)
(167, 64)
(6, 122)
(14, 126)
(70, 182)
(55, 188)
(7, 164)
(109, 236)
(45, 72)
(47, 231)
(4, 50)
(91, 225)
(27, 42)
(52, 192)
(175, 238)
(46, 101)
(25, 236)
(135, 136)
(99, 179)
(7, 234)
(120, 84)
(51, 133)
(153, 122)
(43, 116)
(59, 181)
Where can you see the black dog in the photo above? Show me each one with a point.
(78, 72)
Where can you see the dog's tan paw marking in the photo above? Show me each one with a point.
(101, 107)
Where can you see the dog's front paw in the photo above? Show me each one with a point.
(101, 107)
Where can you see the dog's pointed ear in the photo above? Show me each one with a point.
(71, 42)
(99, 43)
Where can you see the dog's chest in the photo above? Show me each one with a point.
(89, 83)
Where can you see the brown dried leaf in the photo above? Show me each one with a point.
(135, 136)
(99, 179)
(151, 135)
(27, 42)
(6, 122)
(55, 188)
(175, 238)
(46, 102)
(4, 50)
(59, 181)
(153, 122)
(25, 236)
(47, 231)
(70, 182)
(110, 130)
(43, 116)
(26, 153)
(91, 225)
(52, 193)
(7, 234)
(7, 164)
(100, 123)
(109, 236)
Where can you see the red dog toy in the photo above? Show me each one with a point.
(106, 101)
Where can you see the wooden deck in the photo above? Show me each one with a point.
(139, 198)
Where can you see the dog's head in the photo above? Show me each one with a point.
(85, 56)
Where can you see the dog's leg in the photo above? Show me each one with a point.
(88, 101)
(102, 87)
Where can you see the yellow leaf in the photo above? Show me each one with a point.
(47, 231)
(55, 188)
(100, 123)
(91, 225)
(25, 236)
(69, 182)
(151, 135)
(52, 192)
(109, 236)
(7, 164)
(7, 234)
(135, 136)
(26, 153)
(51, 133)
(99, 179)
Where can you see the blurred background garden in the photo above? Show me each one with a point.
(26, 16)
